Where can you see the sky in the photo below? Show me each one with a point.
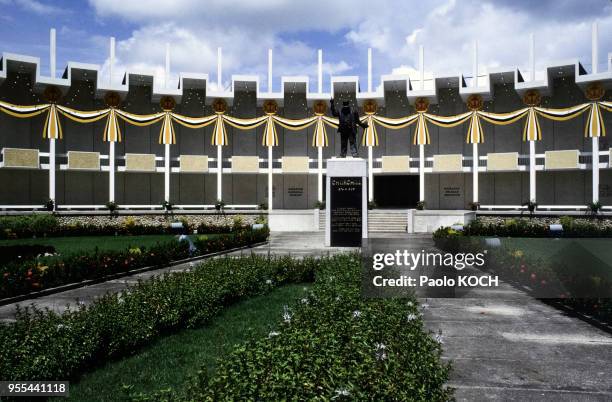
(295, 29)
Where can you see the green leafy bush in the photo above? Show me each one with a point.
(28, 226)
(42, 345)
(332, 345)
(523, 227)
(18, 278)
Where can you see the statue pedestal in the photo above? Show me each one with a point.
(346, 212)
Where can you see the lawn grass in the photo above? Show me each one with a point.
(71, 245)
(169, 361)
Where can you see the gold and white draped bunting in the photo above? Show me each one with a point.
(270, 137)
(166, 133)
(53, 128)
(421, 132)
(112, 132)
(475, 134)
(370, 136)
(22, 112)
(531, 130)
(81, 116)
(219, 135)
(319, 137)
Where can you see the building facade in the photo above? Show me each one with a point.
(144, 171)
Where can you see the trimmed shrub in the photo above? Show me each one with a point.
(42, 345)
(533, 227)
(332, 345)
(28, 226)
(18, 278)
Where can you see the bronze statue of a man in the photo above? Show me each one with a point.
(347, 127)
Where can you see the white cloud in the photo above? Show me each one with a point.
(38, 7)
(393, 28)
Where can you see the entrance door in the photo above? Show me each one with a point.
(396, 191)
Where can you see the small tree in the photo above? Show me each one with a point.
(49, 205)
(167, 206)
(594, 208)
(420, 205)
(220, 206)
(112, 208)
(531, 206)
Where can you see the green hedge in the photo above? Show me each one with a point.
(42, 345)
(533, 227)
(28, 226)
(18, 278)
(332, 345)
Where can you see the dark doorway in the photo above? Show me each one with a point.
(396, 191)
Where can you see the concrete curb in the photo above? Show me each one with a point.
(87, 282)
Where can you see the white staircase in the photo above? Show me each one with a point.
(380, 220)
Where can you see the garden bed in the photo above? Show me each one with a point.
(46, 225)
(19, 278)
(330, 345)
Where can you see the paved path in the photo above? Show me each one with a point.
(295, 244)
(507, 346)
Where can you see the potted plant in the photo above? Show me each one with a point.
(474, 205)
(112, 208)
(320, 205)
(49, 205)
(531, 206)
(167, 206)
(263, 206)
(420, 205)
(372, 204)
(219, 205)
(594, 208)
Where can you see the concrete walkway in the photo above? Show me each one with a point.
(505, 345)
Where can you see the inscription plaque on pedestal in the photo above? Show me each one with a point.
(346, 211)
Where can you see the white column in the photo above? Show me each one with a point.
(422, 66)
(370, 175)
(219, 172)
(111, 171)
(52, 53)
(369, 69)
(532, 171)
(594, 46)
(270, 182)
(111, 62)
(531, 57)
(320, 173)
(474, 172)
(219, 68)
(421, 172)
(52, 169)
(475, 65)
(269, 70)
(320, 71)
(167, 174)
(167, 70)
(595, 163)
